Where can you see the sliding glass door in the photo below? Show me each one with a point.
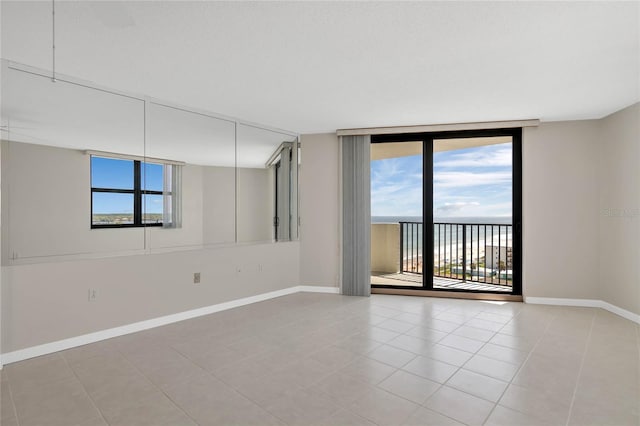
(396, 213)
(446, 211)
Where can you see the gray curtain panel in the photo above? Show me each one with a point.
(356, 216)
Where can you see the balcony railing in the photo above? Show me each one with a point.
(476, 252)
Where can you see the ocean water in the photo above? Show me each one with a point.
(484, 231)
(502, 220)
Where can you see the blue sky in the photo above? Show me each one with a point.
(471, 182)
(118, 174)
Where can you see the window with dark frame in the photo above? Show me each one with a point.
(126, 193)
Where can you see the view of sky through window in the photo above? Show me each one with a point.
(115, 173)
(111, 173)
(470, 182)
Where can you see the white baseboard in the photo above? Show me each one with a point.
(587, 303)
(318, 289)
(85, 339)
(622, 312)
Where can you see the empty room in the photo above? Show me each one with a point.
(319, 213)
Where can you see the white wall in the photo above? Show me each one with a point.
(219, 217)
(255, 204)
(385, 241)
(619, 209)
(582, 210)
(46, 302)
(319, 210)
(46, 194)
(560, 210)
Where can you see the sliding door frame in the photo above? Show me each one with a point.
(427, 203)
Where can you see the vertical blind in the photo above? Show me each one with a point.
(356, 215)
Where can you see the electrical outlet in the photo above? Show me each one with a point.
(196, 277)
(93, 295)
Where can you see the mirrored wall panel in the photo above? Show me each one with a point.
(56, 196)
(267, 185)
(190, 175)
(92, 171)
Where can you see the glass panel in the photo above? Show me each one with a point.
(152, 177)
(152, 209)
(396, 214)
(72, 116)
(112, 208)
(472, 207)
(267, 192)
(111, 173)
(206, 146)
(49, 128)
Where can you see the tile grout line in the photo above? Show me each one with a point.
(495, 404)
(247, 398)
(376, 385)
(519, 368)
(13, 404)
(330, 345)
(441, 385)
(582, 361)
(117, 349)
(83, 388)
(212, 375)
(313, 312)
(231, 388)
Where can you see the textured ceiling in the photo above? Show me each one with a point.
(312, 67)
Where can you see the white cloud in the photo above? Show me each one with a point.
(397, 200)
(473, 209)
(490, 157)
(461, 189)
(449, 208)
(460, 179)
(396, 187)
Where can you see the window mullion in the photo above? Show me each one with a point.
(111, 190)
(137, 194)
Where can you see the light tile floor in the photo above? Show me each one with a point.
(319, 359)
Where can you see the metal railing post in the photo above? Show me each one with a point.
(464, 253)
(401, 248)
(493, 253)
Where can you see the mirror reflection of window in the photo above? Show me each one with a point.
(112, 192)
(284, 164)
(134, 193)
(267, 185)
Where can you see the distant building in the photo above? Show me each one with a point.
(495, 254)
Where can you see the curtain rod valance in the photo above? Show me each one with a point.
(437, 128)
(134, 157)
